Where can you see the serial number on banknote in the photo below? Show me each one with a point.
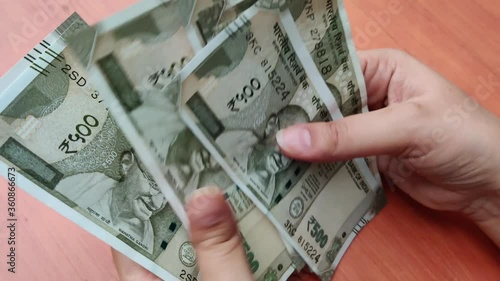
(248, 90)
(318, 236)
(88, 124)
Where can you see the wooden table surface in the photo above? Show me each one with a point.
(460, 39)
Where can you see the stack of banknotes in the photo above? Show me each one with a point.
(113, 125)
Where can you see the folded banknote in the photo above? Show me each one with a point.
(209, 115)
(114, 125)
(71, 154)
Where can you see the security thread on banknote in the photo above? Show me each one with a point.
(248, 83)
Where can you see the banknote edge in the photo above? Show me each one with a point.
(62, 209)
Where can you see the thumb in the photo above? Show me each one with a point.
(215, 237)
(389, 131)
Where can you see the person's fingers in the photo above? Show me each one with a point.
(386, 73)
(386, 131)
(216, 238)
(128, 270)
(378, 68)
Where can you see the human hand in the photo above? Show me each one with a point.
(216, 239)
(432, 140)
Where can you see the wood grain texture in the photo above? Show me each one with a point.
(460, 39)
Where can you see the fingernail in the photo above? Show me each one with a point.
(293, 139)
(206, 208)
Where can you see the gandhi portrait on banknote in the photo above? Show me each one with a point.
(190, 166)
(127, 203)
(186, 163)
(103, 176)
(260, 156)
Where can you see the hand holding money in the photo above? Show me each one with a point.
(411, 138)
(101, 130)
(215, 238)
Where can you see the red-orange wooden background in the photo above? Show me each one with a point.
(460, 39)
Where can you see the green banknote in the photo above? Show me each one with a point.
(142, 95)
(157, 133)
(322, 28)
(143, 30)
(232, 11)
(70, 154)
(151, 41)
(57, 132)
(207, 17)
(312, 75)
(250, 81)
(141, 34)
(274, 5)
